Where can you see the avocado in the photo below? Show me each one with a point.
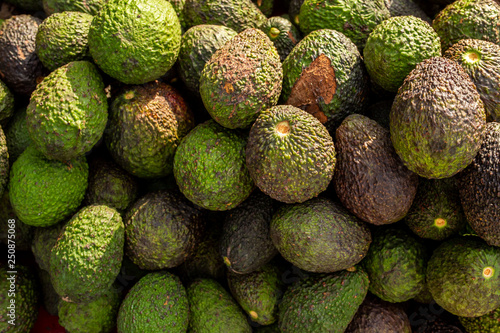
(62, 38)
(91, 7)
(157, 303)
(6, 104)
(465, 19)
(481, 61)
(135, 41)
(45, 192)
(282, 33)
(370, 179)
(489, 322)
(88, 253)
(437, 119)
(396, 46)
(44, 240)
(210, 169)
(241, 79)
(198, 44)
(406, 7)
(178, 6)
(162, 230)
(463, 276)
(17, 135)
(146, 124)
(23, 232)
(395, 264)
(212, 309)
(329, 57)
(49, 297)
(323, 302)
(245, 243)
(290, 155)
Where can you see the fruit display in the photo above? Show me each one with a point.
(239, 166)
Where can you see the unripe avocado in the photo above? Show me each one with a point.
(282, 33)
(489, 322)
(6, 104)
(17, 135)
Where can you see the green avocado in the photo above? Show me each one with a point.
(489, 322)
(6, 104)
(44, 240)
(17, 135)
(282, 33)
(91, 7)
(178, 6)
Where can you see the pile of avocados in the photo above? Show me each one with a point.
(239, 166)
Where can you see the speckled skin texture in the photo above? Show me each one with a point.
(91, 7)
(17, 135)
(478, 188)
(323, 303)
(44, 240)
(213, 309)
(354, 18)
(198, 44)
(320, 236)
(45, 192)
(463, 19)
(406, 7)
(241, 79)
(437, 119)
(489, 322)
(396, 46)
(4, 162)
(146, 124)
(395, 264)
(293, 167)
(485, 73)
(370, 179)
(20, 67)
(178, 6)
(157, 303)
(210, 169)
(62, 38)
(6, 104)
(455, 276)
(135, 41)
(287, 37)
(162, 230)
(88, 254)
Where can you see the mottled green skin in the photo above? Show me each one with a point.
(245, 243)
(282, 33)
(406, 7)
(213, 309)
(198, 44)
(32, 5)
(157, 303)
(68, 111)
(396, 46)
(88, 254)
(235, 14)
(91, 7)
(17, 135)
(45, 192)
(97, 316)
(354, 18)
(62, 38)
(489, 322)
(210, 169)
(292, 167)
(135, 41)
(323, 303)
(265, 6)
(44, 240)
(258, 293)
(351, 79)
(6, 104)
(26, 299)
(24, 232)
(437, 119)
(241, 79)
(162, 230)
(49, 297)
(395, 264)
(146, 124)
(455, 276)
(436, 198)
(484, 72)
(320, 235)
(464, 19)
(4, 162)
(178, 6)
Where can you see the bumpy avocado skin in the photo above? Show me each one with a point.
(329, 56)
(290, 154)
(464, 19)
(395, 264)
(489, 322)
(282, 33)
(44, 240)
(135, 41)
(198, 44)
(6, 104)
(17, 135)
(396, 46)
(4, 162)
(213, 309)
(88, 254)
(210, 169)
(437, 131)
(45, 192)
(241, 79)
(157, 303)
(323, 303)
(370, 179)
(91, 7)
(320, 235)
(146, 124)
(68, 111)
(463, 276)
(481, 61)
(62, 38)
